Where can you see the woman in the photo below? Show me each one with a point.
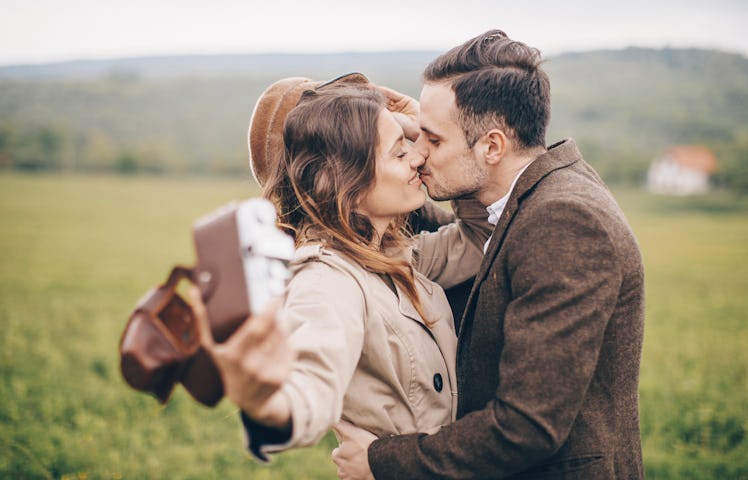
(374, 337)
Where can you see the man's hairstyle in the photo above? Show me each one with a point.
(498, 83)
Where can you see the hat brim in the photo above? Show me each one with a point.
(265, 133)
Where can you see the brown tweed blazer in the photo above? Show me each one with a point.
(549, 344)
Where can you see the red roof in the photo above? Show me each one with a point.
(694, 157)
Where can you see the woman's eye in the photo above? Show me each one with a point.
(401, 155)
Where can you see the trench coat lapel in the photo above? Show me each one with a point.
(442, 332)
(407, 308)
(445, 339)
(404, 304)
(560, 155)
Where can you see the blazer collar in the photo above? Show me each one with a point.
(558, 155)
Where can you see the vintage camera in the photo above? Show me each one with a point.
(242, 263)
(242, 260)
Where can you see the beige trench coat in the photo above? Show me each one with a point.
(364, 352)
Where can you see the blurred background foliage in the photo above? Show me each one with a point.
(179, 115)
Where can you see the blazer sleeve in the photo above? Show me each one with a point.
(325, 312)
(454, 252)
(564, 282)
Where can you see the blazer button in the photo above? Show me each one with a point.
(438, 382)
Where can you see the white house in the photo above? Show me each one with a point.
(682, 170)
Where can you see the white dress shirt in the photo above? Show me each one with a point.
(497, 208)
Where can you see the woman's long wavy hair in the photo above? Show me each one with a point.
(329, 164)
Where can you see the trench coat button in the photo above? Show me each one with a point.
(438, 382)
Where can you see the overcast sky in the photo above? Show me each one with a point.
(40, 31)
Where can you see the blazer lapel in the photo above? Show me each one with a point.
(559, 155)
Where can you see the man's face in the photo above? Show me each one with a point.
(451, 169)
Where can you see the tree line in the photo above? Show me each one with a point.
(623, 107)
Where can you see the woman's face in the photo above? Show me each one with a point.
(397, 186)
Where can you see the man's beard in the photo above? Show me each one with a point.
(438, 191)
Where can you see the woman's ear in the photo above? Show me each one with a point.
(496, 146)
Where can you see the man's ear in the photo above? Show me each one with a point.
(496, 144)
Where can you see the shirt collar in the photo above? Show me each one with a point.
(497, 208)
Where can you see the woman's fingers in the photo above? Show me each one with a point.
(201, 318)
(405, 110)
(398, 102)
(257, 331)
(256, 360)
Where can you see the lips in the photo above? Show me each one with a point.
(416, 179)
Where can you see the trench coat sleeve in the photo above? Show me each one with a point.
(564, 281)
(429, 218)
(324, 311)
(454, 252)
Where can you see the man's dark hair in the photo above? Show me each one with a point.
(498, 83)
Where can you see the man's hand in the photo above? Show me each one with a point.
(405, 110)
(253, 363)
(351, 456)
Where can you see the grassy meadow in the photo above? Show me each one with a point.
(76, 252)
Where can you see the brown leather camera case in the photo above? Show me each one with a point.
(160, 344)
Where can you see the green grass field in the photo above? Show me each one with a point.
(77, 252)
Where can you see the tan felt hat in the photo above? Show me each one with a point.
(265, 135)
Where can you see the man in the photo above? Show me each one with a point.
(550, 341)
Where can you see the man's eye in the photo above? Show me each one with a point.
(433, 141)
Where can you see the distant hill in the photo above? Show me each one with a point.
(170, 67)
(191, 112)
(654, 96)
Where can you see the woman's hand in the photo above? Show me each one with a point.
(405, 110)
(253, 363)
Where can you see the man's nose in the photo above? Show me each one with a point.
(416, 159)
(421, 147)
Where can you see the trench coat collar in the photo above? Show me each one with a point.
(312, 250)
